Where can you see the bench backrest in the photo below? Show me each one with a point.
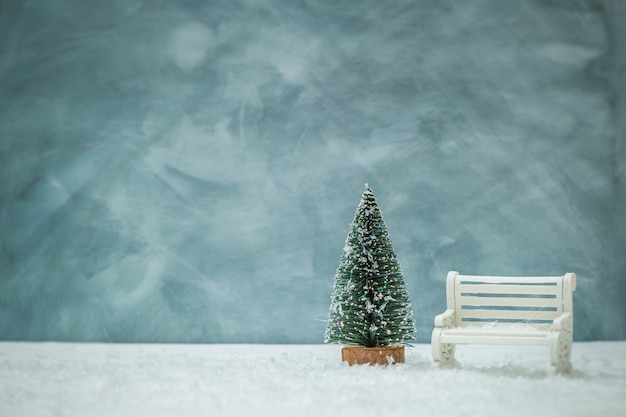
(529, 300)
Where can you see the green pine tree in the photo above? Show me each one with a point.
(370, 305)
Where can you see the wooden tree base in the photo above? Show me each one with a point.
(358, 355)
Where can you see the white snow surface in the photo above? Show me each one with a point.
(78, 379)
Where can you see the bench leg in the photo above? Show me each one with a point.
(443, 353)
(560, 353)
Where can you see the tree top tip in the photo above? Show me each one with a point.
(367, 190)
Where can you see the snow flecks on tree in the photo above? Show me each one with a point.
(370, 305)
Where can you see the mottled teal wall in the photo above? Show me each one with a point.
(186, 171)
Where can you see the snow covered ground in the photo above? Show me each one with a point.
(63, 379)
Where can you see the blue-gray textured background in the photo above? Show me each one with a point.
(185, 171)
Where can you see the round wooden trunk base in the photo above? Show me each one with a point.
(358, 355)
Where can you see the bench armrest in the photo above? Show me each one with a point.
(564, 322)
(445, 319)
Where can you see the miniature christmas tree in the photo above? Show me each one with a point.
(370, 305)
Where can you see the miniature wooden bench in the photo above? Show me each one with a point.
(507, 311)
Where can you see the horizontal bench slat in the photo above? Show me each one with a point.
(509, 289)
(509, 301)
(526, 280)
(494, 315)
(498, 339)
(507, 330)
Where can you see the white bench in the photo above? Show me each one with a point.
(507, 311)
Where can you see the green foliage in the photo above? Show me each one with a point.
(370, 304)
